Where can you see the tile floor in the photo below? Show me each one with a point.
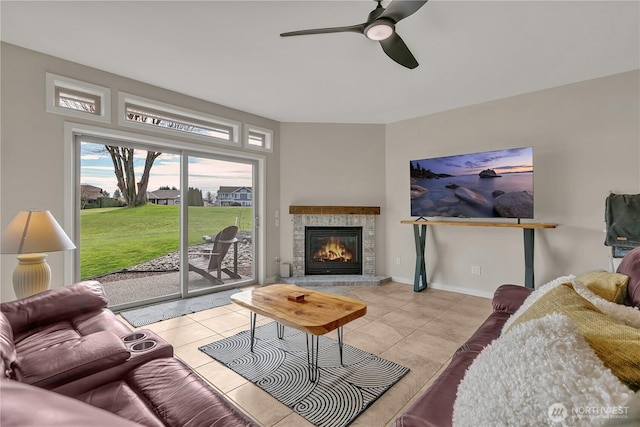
(417, 330)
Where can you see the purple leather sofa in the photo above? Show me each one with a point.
(435, 407)
(67, 360)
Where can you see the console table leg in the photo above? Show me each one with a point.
(528, 257)
(420, 237)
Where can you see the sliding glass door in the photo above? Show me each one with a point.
(158, 224)
(219, 215)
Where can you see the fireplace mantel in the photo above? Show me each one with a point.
(334, 210)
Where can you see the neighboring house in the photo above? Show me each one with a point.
(89, 194)
(234, 196)
(164, 197)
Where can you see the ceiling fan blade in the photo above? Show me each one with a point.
(400, 9)
(349, 29)
(396, 49)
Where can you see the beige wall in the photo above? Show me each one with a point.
(33, 145)
(586, 140)
(332, 164)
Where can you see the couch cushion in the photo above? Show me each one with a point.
(24, 405)
(615, 343)
(610, 286)
(630, 266)
(536, 365)
(45, 336)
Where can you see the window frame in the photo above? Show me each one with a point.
(126, 99)
(55, 83)
(267, 134)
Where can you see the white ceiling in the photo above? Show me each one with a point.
(230, 52)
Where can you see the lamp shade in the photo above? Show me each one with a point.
(34, 232)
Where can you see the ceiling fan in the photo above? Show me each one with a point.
(380, 26)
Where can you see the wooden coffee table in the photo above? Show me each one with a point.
(316, 314)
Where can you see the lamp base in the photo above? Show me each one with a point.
(32, 275)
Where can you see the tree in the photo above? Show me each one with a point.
(194, 197)
(116, 194)
(209, 197)
(84, 196)
(123, 165)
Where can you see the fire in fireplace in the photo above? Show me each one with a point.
(333, 250)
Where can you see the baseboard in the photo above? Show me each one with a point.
(460, 290)
(450, 288)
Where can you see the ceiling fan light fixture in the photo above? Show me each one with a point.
(379, 30)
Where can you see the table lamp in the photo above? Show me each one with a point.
(29, 234)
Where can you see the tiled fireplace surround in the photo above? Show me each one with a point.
(335, 216)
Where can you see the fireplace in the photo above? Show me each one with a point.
(333, 250)
(334, 216)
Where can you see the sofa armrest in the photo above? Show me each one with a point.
(71, 360)
(630, 266)
(508, 298)
(54, 305)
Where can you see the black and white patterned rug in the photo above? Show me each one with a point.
(279, 367)
(146, 315)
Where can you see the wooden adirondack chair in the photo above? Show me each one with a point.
(221, 244)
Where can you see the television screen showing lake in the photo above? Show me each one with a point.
(479, 185)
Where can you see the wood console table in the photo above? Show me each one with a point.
(420, 235)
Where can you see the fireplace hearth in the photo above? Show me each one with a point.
(333, 250)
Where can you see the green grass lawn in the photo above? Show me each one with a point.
(115, 238)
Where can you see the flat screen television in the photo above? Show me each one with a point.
(489, 184)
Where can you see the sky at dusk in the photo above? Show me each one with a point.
(502, 161)
(96, 168)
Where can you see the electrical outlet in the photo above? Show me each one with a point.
(398, 261)
(277, 259)
(475, 269)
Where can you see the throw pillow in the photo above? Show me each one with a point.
(623, 313)
(616, 344)
(537, 366)
(610, 286)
